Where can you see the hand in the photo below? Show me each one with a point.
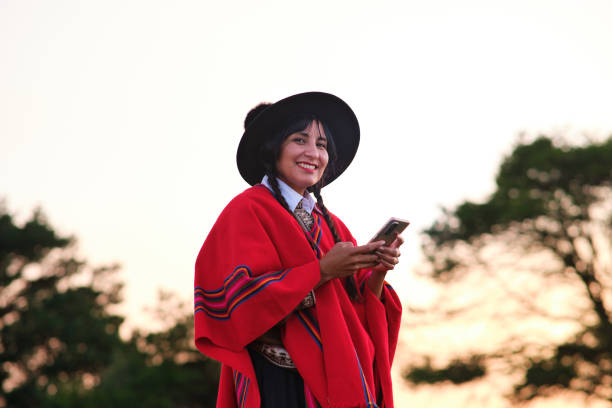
(344, 259)
(388, 256)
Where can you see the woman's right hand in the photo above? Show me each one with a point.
(344, 259)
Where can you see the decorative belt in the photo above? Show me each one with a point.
(276, 355)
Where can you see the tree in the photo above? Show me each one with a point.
(160, 369)
(545, 238)
(59, 341)
(54, 331)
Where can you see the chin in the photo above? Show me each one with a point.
(311, 182)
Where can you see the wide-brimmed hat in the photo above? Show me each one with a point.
(331, 110)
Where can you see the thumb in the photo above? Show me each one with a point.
(345, 244)
(371, 246)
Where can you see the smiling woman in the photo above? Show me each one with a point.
(303, 157)
(298, 314)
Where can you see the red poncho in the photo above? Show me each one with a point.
(254, 268)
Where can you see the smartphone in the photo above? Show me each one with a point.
(390, 230)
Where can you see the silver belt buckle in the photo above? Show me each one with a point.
(277, 355)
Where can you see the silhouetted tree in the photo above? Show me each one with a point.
(160, 369)
(60, 344)
(54, 331)
(545, 238)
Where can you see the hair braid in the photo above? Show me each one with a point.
(279, 197)
(328, 219)
(349, 281)
(277, 193)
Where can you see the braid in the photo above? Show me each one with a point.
(277, 193)
(349, 281)
(328, 220)
(279, 197)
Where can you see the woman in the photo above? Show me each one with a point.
(298, 315)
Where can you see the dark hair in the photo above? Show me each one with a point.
(269, 152)
(253, 113)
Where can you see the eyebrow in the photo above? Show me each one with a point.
(321, 137)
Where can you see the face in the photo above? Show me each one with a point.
(303, 157)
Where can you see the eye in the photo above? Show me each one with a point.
(322, 145)
(299, 140)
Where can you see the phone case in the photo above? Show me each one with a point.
(389, 230)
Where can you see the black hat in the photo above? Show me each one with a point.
(329, 109)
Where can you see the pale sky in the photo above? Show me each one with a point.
(122, 118)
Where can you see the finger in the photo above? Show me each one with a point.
(345, 244)
(388, 251)
(369, 247)
(365, 265)
(352, 269)
(388, 261)
(366, 258)
(387, 265)
(399, 240)
(393, 260)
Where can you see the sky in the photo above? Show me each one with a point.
(121, 119)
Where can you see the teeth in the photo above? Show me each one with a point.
(307, 166)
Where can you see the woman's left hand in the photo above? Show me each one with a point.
(389, 255)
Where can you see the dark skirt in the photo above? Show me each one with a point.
(278, 387)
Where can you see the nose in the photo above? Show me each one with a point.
(311, 149)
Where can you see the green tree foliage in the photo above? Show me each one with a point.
(545, 235)
(155, 370)
(53, 331)
(59, 341)
(160, 369)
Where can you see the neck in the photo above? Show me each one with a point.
(300, 192)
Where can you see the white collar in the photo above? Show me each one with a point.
(291, 196)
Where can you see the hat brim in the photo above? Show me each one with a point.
(331, 110)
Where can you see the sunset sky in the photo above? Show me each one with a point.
(121, 119)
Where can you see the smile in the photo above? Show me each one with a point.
(307, 166)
